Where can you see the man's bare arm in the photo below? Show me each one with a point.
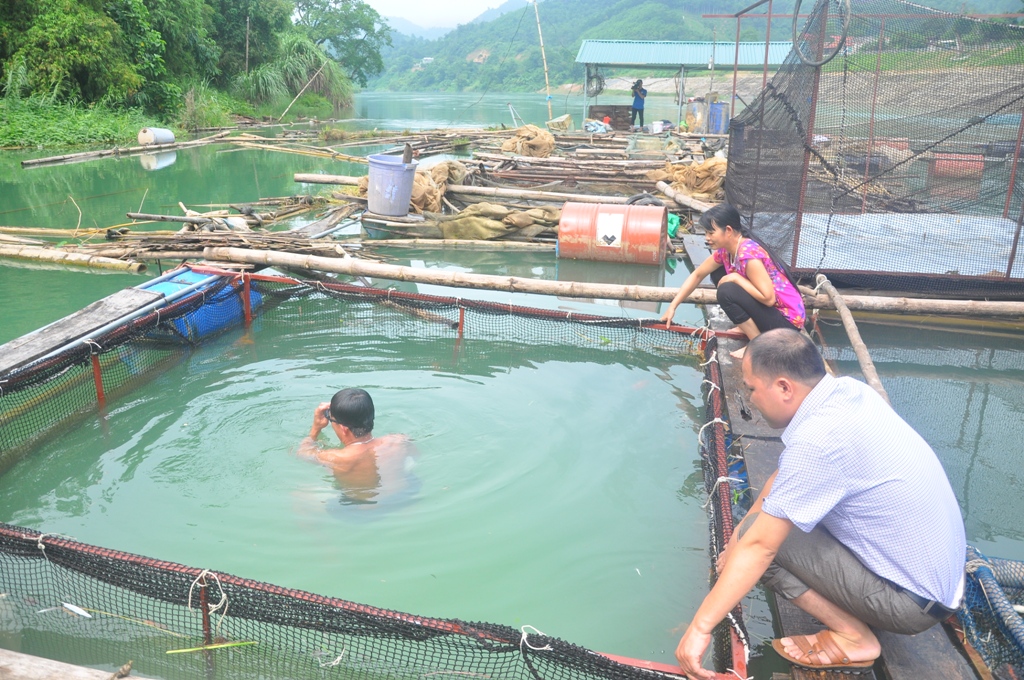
(748, 560)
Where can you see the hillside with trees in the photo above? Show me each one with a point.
(187, 62)
(504, 53)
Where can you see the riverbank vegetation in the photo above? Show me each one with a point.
(95, 71)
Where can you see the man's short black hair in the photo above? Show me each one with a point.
(782, 352)
(353, 408)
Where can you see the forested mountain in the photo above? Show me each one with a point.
(504, 53)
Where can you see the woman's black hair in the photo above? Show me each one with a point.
(725, 215)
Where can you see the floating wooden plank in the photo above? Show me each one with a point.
(19, 666)
(39, 343)
(698, 252)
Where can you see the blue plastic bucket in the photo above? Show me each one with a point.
(390, 185)
(718, 123)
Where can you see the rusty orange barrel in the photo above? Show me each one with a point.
(633, 234)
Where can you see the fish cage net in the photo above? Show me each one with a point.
(731, 642)
(991, 612)
(73, 601)
(897, 164)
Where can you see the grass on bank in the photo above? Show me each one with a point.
(36, 122)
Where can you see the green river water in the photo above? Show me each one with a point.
(555, 487)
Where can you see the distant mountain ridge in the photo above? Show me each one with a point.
(406, 27)
(500, 10)
(500, 51)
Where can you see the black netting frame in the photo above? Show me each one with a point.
(898, 164)
(728, 653)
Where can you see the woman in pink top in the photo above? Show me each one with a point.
(753, 289)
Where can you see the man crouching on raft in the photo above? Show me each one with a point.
(367, 468)
(858, 526)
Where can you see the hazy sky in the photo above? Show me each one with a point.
(431, 13)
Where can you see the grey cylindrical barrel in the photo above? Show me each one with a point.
(149, 136)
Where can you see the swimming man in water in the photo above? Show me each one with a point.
(367, 468)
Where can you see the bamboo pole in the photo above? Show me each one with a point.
(543, 58)
(497, 192)
(899, 305)
(867, 366)
(88, 155)
(170, 218)
(682, 199)
(905, 305)
(459, 244)
(512, 284)
(346, 180)
(63, 257)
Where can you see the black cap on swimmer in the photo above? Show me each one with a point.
(353, 408)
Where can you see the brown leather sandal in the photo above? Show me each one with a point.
(810, 654)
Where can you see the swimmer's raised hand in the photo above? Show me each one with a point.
(320, 420)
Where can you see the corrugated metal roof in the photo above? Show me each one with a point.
(692, 54)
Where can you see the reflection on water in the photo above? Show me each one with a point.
(157, 161)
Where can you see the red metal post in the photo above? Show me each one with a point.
(1016, 242)
(462, 320)
(204, 606)
(97, 376)
(871, 122)
(735, 71)
(808, 142)
(246, 301)
(1013, 168)
(767, 42)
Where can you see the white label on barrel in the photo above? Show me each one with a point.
(609, 230)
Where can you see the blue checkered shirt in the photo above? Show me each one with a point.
(853, 465)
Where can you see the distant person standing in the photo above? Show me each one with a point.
(639, 95)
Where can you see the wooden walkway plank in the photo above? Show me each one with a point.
(39, 343)
(697, 252)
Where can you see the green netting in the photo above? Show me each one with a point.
(68, 600)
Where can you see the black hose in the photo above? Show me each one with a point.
(842, 40)
(645, 199)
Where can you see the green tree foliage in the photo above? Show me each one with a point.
(76, 51)
(350, 30)
(268, 19)
(186, 27)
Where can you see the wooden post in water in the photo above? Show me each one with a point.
(543, 57)
(867, 366)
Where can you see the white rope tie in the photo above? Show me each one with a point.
(223, 597)
(390, 290)
(738, 675)
(975, 564)
(700, 432)
(817, 288)
(525, 641)
(332, 664)
(712, 360)
(702, 330)
(157, 316)
(93, 345)
(60, 576)
(715, 488)
(713, 387)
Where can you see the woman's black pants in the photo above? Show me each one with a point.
(739, 305)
